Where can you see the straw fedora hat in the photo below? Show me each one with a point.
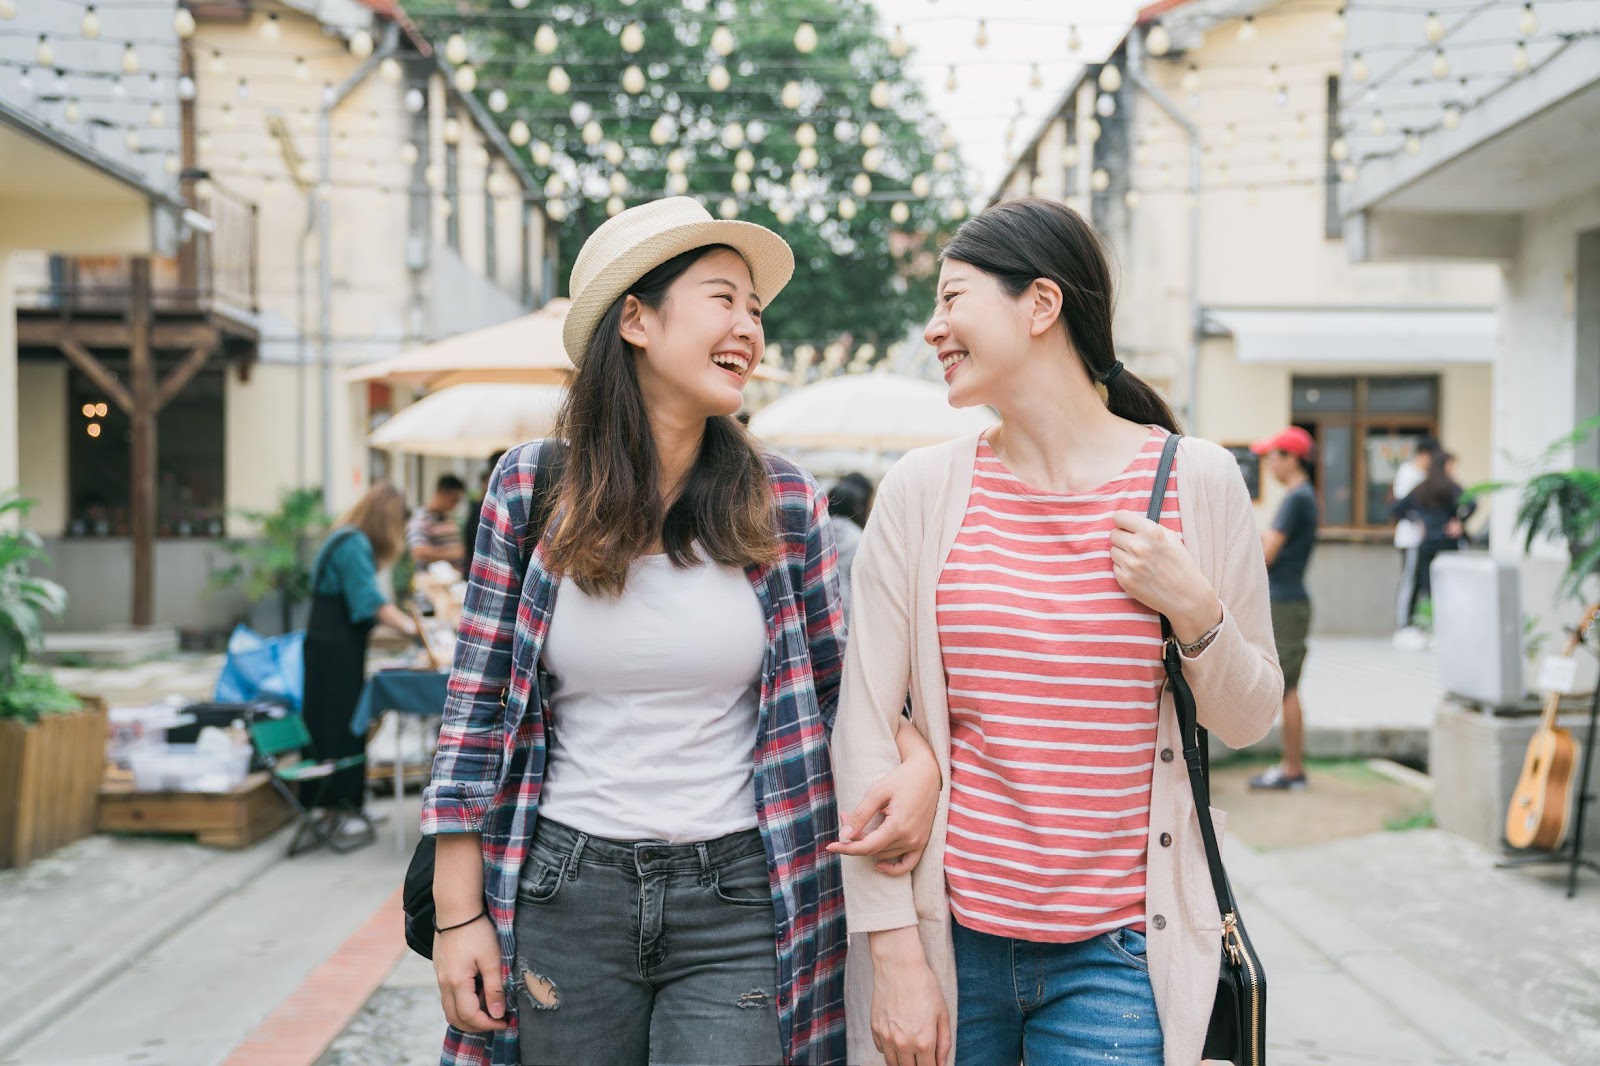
(638, 240)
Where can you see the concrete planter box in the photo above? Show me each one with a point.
(50, 777)
(1475, 759)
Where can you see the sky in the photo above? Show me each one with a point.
(992, 82)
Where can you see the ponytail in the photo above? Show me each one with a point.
(1022, 240)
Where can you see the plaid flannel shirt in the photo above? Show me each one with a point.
(489, 769)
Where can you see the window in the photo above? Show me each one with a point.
(189, 459)
(1333, 221)
(1365, 428)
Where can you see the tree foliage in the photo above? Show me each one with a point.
(864, 277)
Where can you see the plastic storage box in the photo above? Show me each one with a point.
(186, 768)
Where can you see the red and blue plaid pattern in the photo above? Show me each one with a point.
(489, 769)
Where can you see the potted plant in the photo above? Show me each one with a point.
(52, 747)
(273, 568)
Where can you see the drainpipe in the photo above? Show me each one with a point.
(330, 100)
(1135, 63)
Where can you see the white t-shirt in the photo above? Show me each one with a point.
(1407, 531)
(655, 701)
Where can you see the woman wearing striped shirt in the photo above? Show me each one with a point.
(1013, 585)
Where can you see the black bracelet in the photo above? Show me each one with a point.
(481, 914)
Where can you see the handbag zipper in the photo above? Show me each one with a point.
(1236, 952)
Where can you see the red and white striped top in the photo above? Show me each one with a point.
(1055, 681)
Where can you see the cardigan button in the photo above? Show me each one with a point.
(1166, 840)
(1159, 922)
(1166, 754)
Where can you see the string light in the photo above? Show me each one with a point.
(302, 70)
(1035, 76)
(950, 83)
(805, 135)
(43, 54)
(1191, 79)
(452, 130)
(871, 135)
(1519, 58)
(806, 159)
(73, 113)
(218, 64)
(592, 133)
(130, 59)
(1100, 180)
(1413, 144)
(1247, 29)
(1433, 29)
(872, 159)
(540, 152)
(1358, 68)
(465, 78)
(409, 154)
(744, 161)
(847, 208)
(1158, 42)
(498, 101)
(1131, 198)
(270, 28)
(559, 81)
(1339, 150)
(631, 38)
(183, 23)
(1110, 79)
(414, 101)
(805, 38)
(677, 161)
(1074, 39)
(554, 186)
(920, 186)
(880, 96)
(728, 208)
(722, 42)
(677, 184)
(361, 44)
(615, 206)
(1378, 126)
(719, 79)
(1528, 23)
(633, 80)
(1337, 26)
(545, 40)
(741, 182)
(792, 96)
(618, 183)
(157, 117)
(455, 49)
(1441, 65)
(555, 210)
(242, 90)
(982, 39)
(1105, 105)
(90, 26)
(519, 133)
(861, 185)
(732, 136)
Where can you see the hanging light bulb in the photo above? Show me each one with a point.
(1105, 105)
(72, 113)
(90, 26)
(880, 96)
(732, 136)
(1191, 79)
(1074, 39)
(409, 154)
(1441, 65)
(1433, 29)
(498, 101)
(120, 91)
(242, 90)
(455, 49)
(920, 186)
(555, 210)
(792, 96)
(871, 135)
(157, 117)
(897, 44)
(618, 183)
(844, 131)
(872, 160)
(465, 78)
(170, 164)
(389, 69)
(271, 30)
(722, 42)
(217, 65)
(1069, 155)
(1528, 23)
(414, 101)
(302, 70)
(519, 133)
(719, 79)
(744, 161)
(1110, 79)
(1413, 143)
(615, 206)
(43, 54)
(943, 162)
(861, 185)
(183, 23)
(631, 38)
(728, 208)
(1100, 180)
(593, 133)
(677, 161)
(847, 208)
(452, 130)
(554, 186)
(741, 182)
(558, 81)
(544, 39)
(661, 130)
(1519, 57)
(1090, 130)
(805, 135)
(1378, 126)
(805, 39)
(1358, 68)
(1347, 173)
(982, 39)
(1035, 76)
(677, 184)
(130, 140)
(633, 80)
(1270, 78)
(950, 83)
(785, 215)
(1131, 198)
(1337, 26)
(540, 153)
(130, 59)
(361, 44)
(1452, 116)
(806, 159)
(1339, 150)
(614, 153)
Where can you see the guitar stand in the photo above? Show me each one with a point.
(1571, 853)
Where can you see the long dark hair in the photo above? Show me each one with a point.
(1020, 241)
(851, 497)
(1438, 491)
(610, 493)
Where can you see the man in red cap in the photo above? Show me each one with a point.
(1288, 544)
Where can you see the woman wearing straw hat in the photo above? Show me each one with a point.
(632, 794)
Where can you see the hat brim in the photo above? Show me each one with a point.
(768, 256)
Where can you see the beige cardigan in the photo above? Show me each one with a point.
(894, 648)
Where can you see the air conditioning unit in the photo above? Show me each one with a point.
(1477, 627)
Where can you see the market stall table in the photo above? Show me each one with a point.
(418, 694)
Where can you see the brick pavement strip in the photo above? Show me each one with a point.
(302, 1027)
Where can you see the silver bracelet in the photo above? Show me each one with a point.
(1191, 650)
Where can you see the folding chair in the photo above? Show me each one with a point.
(279, 742)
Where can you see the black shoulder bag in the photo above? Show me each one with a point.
(1238, 1029)
(417, 893)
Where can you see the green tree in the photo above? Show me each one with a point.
(866, 277)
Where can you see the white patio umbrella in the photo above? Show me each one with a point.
(876, 412)
(472, 421)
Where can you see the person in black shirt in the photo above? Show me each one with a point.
(1288, 545)
(1436, 503)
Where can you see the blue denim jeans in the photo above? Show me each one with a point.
(646, 952)
(1054, 1004)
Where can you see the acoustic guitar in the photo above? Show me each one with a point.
(1542, 802)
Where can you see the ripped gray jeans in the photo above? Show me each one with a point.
(645, 952)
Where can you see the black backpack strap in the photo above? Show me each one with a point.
(1195, 754)
(546, 478)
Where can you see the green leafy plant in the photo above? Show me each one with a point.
(1560, 504)
(277, 559)
(25, 601)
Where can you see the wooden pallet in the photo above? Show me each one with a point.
(234, 819)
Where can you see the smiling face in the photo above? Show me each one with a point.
(697, 350)
(981, 333)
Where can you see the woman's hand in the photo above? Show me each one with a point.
(907, 797)
(1151, 564)
(466, 962)
(910, 1024)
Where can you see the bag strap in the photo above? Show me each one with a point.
(552, 461)
(1195, 755)
(327, 551)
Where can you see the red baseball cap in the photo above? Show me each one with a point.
(1294, 440)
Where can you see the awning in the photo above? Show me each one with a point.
(1334, 335)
